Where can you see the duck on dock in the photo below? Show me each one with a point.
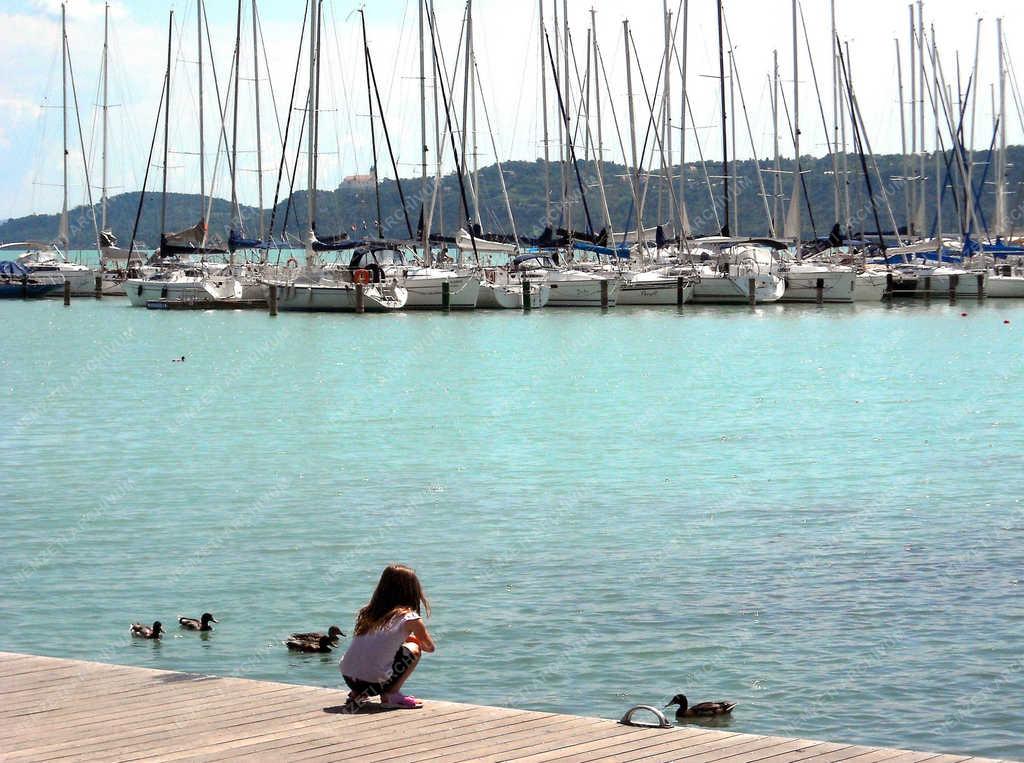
(334, 633)
(701, 709)
(139, 630)
(202, 624)
(323, 644)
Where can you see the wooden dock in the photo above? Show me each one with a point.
(71, 710)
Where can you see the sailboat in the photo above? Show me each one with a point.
(46, 261)
(316, 287)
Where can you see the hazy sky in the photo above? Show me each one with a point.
(507, 47)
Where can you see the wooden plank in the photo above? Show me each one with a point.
(192, 716)
(504, 746)
(600, 735)
(734, 747)
(64, 709)
(586, 749)
(478, 745)
(421, 744)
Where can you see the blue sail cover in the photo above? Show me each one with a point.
(236, 241)
(622, 250)
(11, 269)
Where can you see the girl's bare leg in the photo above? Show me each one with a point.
(414, 650)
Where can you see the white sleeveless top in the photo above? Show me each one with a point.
(370, 656)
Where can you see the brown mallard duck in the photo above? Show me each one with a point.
(139, 630)
(202, 624)
(323, 644)
(334, 633)
(701, 709)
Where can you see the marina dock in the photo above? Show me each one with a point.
(68, 709)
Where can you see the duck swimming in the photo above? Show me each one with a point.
(701, 709)
(323, 644)
(202, 624)
(333, 633)
(139, 630)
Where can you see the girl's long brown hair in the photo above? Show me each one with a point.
(398, 590)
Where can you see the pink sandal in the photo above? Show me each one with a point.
(400, 702)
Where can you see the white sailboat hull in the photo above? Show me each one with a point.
(662, 291)
(869, 287)
(425, 292)
(192, 291)
(339, 298)
(837, 286)
(733, 290)
(510, 296)
(1005, 287)
(581, 292)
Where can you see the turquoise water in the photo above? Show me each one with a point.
(815, 513)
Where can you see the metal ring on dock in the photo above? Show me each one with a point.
(663, 722)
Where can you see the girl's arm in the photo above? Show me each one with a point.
(419, 631)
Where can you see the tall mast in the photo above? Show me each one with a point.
(666, 159)
(912, 184)
(1001, 157)
(561, 123)
(471, 63)
(683, 217)
(235, 212)
(835, 112)
(796, 131)
(106, 108)
(567, 97)
(635, 169)
(311, 104)
(734, 188)
(373, 131)
(259, 142)
(425, 236)
(64, 233)
(167, 124)
(777, 191)
(725, 128)
(939, 177)
(920, 122)
(903, 134)
(599, 154)
(202, 137)
(544, 119)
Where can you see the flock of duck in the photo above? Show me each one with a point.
(317, 641)
(311, 641)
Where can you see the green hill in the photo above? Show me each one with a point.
(351, 207)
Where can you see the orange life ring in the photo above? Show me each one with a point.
(362, 275)
(292, 262)
(490, 276)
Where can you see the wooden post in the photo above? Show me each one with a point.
(446, 295)
(752, 291)
(927, 287)
(24, 287)
(360, 302)
(679, 291)
(954, 281)
(527, 296)
(819, 291)
(888, 286)
(272, 299)
(99, 287)
(67, 293)
(604, 293)
(981, 285)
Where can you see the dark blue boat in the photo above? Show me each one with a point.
(17, 282)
